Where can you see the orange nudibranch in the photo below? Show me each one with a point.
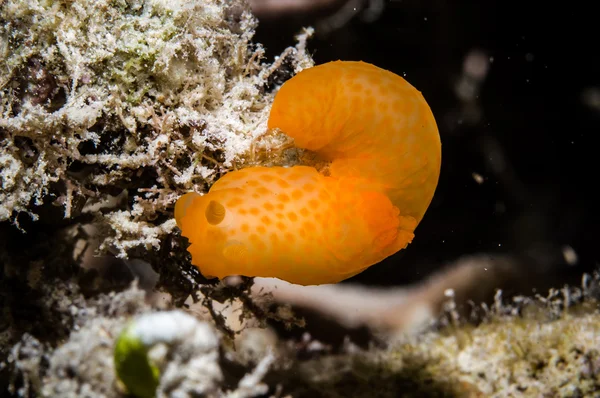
(296, 224)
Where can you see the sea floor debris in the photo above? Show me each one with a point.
(544, 346)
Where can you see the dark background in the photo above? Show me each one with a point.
(530, 132)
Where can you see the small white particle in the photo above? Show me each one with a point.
(569, 255)
(478, 178)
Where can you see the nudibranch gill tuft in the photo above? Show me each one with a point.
(296, 224)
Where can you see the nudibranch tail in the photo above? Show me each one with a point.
(370, 123)
(296, 224)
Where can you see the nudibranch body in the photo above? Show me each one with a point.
(296, 224)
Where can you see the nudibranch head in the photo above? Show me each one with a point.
(296, 224)
(289, 222)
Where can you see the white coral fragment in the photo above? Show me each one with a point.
(137, 94)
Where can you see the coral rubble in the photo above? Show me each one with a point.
(115, 108)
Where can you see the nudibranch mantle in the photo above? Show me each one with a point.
(296, 224)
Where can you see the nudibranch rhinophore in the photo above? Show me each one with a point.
(296, 224)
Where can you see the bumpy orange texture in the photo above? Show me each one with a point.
(301, 226)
